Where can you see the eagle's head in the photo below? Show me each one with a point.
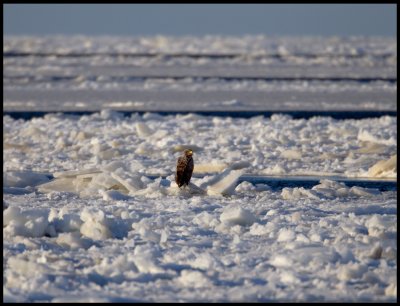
(188, 153)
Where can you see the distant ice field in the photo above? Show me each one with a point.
(59, 73)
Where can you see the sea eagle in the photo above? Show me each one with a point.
(184, 168)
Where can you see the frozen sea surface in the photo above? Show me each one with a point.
(59, 73)
(91, 212)
(278, 145)
(103, 231)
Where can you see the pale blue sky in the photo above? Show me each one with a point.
(201, 19)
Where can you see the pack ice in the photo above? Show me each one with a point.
(91, 212)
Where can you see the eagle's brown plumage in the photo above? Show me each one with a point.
(184, 168)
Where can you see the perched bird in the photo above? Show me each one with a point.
(184, 168)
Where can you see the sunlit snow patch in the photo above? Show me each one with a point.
(384, 168)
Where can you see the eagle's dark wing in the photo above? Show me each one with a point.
(184, 170)
(180, 169)
(187, 174)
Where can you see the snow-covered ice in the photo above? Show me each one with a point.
(91, 212)
(103, 230)
(112, 145)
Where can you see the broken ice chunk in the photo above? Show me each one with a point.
(384, 168)
(113, 195)
(96, 225)
(224, 183)
(236, 215)
(143, 130)
(131, 182)
(62, 184)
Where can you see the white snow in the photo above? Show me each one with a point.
(236, 215)
(194, 279)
